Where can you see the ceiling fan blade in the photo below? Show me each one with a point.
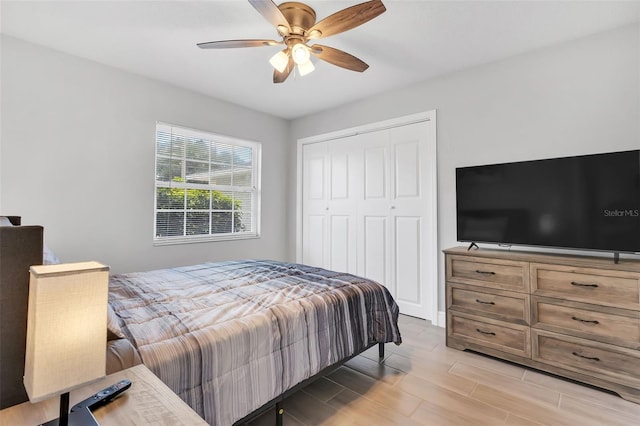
(279, 77)
(339, 58)
(346, 19)
(226, 44)
(269, 10)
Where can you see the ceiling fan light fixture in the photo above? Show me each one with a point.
(314, 34)
(279, 61)
(305, 68)
(296, 24)
(300, 53)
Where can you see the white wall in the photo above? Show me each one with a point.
(77, 139)
(77, 156)
(576, 98)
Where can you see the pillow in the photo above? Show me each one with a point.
(113, 325)
(48, 257)
(4, 221)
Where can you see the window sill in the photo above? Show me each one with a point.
(202, 239)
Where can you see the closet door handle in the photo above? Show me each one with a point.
(590, 358)
(485, 303)
(585, 321)
(489, 333)
(577, 284)
(485, 272)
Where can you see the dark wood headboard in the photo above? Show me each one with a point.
(20, 247)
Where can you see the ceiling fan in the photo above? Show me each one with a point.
(296, 24)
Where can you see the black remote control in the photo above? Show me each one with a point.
(103, 397)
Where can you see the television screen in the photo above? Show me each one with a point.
(587, 202)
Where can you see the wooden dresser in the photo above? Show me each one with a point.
(573, 316)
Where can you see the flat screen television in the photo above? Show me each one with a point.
(587, 202)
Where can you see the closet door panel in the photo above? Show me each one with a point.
(407, 170)
(375, 248)
(407, 261)
(314, 249)
(315, 186)
(345, 177)
(375, 170)
(339, 176)
(409, 206)
(373, 209)
(316, 179)
(340, 253)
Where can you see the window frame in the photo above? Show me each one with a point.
(256, 189)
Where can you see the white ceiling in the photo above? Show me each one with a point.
(412, 41)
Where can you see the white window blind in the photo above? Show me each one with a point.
(207, 186)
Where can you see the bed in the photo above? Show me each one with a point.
(235, 338)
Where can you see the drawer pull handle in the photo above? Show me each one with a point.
(485, 272)
(591, 358)
(587, 321)
(490, 333)
(485, 303)
(577, 284)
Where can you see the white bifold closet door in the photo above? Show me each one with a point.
(366, 210)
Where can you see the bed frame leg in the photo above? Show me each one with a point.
(279, 414)
(380, 350)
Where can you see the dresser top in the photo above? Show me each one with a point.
(625, 264)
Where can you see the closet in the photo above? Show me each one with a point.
(368, 207)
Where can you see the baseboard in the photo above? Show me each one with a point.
(442, 319)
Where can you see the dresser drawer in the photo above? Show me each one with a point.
(604, 361)
(602, 287)
(499, 304)
(495, 334)
(502, 274)
(588, 321)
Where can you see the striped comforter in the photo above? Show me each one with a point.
(228, 337)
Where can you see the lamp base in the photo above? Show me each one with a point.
(82, 417)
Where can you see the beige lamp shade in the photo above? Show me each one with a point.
(66, 327)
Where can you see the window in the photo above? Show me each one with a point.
(207, 186)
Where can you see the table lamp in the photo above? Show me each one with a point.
(66, 332)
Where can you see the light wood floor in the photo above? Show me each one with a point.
(422, 382)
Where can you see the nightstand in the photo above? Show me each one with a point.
(147, 402)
